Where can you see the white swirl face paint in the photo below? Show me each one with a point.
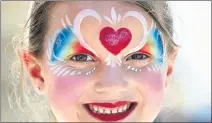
(115, 18)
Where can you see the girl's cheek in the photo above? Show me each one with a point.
(150, 85)
(66, 90)
(154, 88)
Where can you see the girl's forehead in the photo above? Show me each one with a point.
(102, 7)
(89, 18)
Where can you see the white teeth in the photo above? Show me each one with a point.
(120, 110)
(125, 107)
(95, 108)
(107, 111)
(101, 110)
(114, 111)
(91, 107)
(128, 105)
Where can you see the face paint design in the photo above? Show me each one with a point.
(117, 38)
(115, 41)
(154, 48)
(152, 67)
(67, 37)
(73, 86)
(65, 44)
(115, 18)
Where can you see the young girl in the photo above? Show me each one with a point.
(96, 61)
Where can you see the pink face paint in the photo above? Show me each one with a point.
(65, 92)
(65, 85)
(115, 41)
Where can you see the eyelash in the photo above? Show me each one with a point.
(137, 56)
(78, 58)
(88, 58)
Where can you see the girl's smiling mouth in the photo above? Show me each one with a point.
(110, 111)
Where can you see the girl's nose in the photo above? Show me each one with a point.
(111, 80)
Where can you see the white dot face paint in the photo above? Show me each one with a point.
(148, 68)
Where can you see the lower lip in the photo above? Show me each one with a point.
(112, 117)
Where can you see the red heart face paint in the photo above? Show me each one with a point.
(115, 41)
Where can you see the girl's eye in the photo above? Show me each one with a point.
(137, 56)
(81, 58)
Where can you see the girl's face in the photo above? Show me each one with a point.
(104, 61)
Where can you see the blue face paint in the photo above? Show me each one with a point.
(154, 46)
(63, 44)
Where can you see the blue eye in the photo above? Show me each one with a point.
(81, 58)
(137, 56)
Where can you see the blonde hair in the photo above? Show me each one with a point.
(23, 98)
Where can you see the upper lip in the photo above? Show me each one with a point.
(110, 100)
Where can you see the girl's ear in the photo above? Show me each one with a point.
(171, 62)
(34, 70)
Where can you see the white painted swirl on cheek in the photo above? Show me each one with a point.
(64, 70)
